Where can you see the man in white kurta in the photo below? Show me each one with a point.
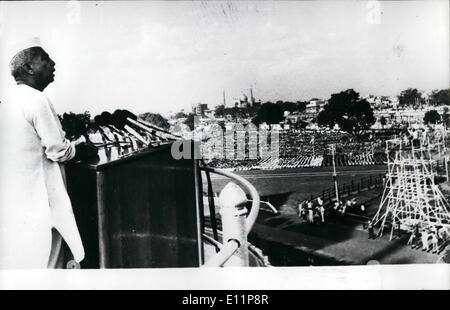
(33, 197)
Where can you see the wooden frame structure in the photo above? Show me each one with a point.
(411, 196)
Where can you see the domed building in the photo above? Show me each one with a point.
(241, 102)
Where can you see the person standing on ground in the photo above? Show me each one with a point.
(434, 242)
(424, 238)
(414, 236)
(310, 212)
(300, 208)
(363, 210)
(370, 230)
(322, 213)
(319, 201)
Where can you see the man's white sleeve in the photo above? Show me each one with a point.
(48, 127)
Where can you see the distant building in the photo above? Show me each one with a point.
(236, 103)
(293, 118)
(257, 103)
(408, 116)
(199, 109)
(315, 106)
(241, 102)
(209, 113)
(252, 99)
(244, 101)
(382, 102)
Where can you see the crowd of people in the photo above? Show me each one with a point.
(312, 211)
(299, 149)
(352, 159)
(350, 205)
(299, 161)
(429, 237)
(234, 164)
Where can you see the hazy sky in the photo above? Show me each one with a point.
(161, 56)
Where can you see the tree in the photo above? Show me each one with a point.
(446, 117)
(180, 115)
(432, 117)
(410, 97)
(440, 97)
(270, 113)
(301, 124)
(383, 121)
(75, 125)
(347, 110)
(256, 121)
(288, 106)
(190, 121)
(156, 119)
(292, 106)
(219, 111)
(301, 105)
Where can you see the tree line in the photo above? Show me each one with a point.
(346, 109)
(413, 98)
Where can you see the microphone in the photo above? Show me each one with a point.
(100, 129)
(103, 120)
(145, 125)
(75, 127)
(150, 134)
(129, 117)
(147, 130)
(118, 120)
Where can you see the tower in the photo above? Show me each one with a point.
(252, 99)
(411, 196)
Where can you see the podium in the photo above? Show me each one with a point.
(137, 210)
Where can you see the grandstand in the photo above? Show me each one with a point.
(297, 149)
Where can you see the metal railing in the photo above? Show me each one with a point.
(270, 207)
(235, 224)
(346, 189)
(226, 252)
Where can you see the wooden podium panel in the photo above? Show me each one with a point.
(138, 211)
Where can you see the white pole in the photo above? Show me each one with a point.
(334, 174)
(446, 167)
(314, 151)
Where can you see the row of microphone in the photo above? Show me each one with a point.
(125, 128)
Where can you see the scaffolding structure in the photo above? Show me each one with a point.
(411, 197)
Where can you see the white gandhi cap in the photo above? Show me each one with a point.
(19, 46)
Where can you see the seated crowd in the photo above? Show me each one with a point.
(299, 149)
